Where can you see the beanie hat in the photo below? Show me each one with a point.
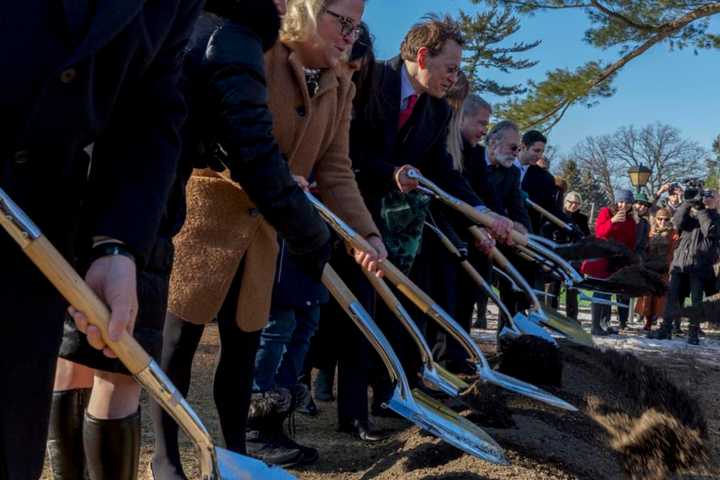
(623, 195)
(642, 198)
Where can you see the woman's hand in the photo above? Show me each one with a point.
(619, 217)
(485, 243)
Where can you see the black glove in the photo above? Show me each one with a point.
(313, 262)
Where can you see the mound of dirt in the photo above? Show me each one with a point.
(656, 428)
(633, 423)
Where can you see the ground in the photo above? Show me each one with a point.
(543, 443)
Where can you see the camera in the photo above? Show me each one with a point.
(693, 190)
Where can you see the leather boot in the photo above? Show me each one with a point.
(65, 437)
(664, 332)
(694, 334)
(112, 447)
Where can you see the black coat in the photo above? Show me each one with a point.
(377, 148)
(540, 187)
(697, 249)
(475, 171)
(230, 125)
(510, 199)
(111, 81)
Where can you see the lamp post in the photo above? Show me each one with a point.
(639, 176)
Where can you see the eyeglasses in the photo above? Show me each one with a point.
(572, 202)
(347, 25)
(662, 219)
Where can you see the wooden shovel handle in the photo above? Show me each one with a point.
(548, 215)
(397, 277)
(76, 291)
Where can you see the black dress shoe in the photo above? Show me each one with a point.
(362, 431)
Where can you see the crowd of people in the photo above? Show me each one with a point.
(176, 141)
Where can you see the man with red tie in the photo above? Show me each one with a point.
(404, 126)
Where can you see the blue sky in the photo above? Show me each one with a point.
(677, 88)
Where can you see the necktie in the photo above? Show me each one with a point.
(405, 114)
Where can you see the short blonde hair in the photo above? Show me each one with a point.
(573, 196)
(300, 22)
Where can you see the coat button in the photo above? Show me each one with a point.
(253, 212)
(21, 157)
(67, 76)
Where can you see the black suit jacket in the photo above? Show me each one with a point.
(511, 202)
(377, 148)
(540, 187)
(115, 85)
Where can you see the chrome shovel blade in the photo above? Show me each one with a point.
(233, 466)
(434, 379)
(523, 388)
(447, 425)
(529, 325)
(570, 328)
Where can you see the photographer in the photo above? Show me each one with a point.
(691, 271)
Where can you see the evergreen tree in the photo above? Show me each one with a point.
(484, 33)
(571, 173)
(635, 26)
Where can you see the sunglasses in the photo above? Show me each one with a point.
(662, 219)
(348, 28)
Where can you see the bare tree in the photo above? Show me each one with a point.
(662, 148)
(659, 147)
(594, 156)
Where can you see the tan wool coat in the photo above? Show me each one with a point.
(223, 227)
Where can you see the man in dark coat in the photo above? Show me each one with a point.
(80, 73)
(503, 144)
(538, 183)
(405, 127)
(691, 270)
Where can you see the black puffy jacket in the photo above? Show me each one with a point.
(230, 124)
(697, 249)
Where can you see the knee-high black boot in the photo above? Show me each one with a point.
(112, 447)
(65, 437)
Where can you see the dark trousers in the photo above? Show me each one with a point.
(682, 285)
(516, 301)
(354, 353)
(32, 321)
(601, 313)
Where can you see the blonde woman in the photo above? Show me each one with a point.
(226, 252)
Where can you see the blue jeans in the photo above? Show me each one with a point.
(284, 344)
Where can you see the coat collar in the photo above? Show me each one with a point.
(328, 79)
(109, 20)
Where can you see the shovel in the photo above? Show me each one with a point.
(519, 324)
(486, 220)
(433, 375)
(430, 308)
(572, 230)
(215, 462)
(420, 409)
(544, 315)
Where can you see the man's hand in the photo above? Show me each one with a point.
(485, 243)
(501, 228)
(114, 280)
(519, 227)
(403, 182)
(371, 260)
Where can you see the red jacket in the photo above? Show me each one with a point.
(619, 232)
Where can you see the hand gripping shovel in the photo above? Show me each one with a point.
(572, 230)
(430, 308)
(215, 463)
(519, 324)
(486, 220)
(420, 409)
(433, 375)
(542, 314)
